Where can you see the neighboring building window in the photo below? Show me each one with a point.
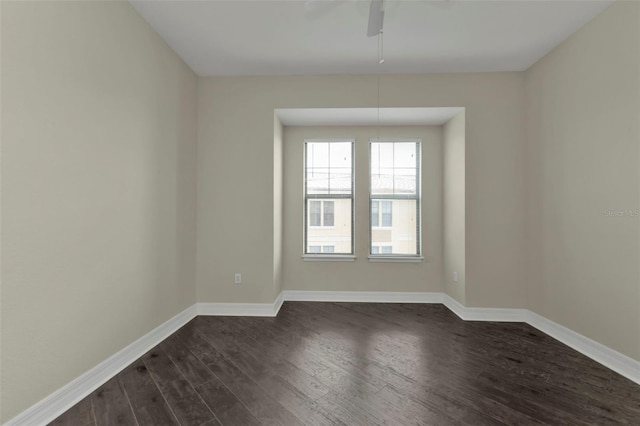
(394, 197)
(381, 249)
(321, 213)
(321, 249)
(328, 197)
(381, 214)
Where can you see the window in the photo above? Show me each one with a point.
(381, 214)
(321, 249)
(328, 197)
(321, 213)
(394, 198)
(381, 249)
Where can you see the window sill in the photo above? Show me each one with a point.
(328, 257)
(404, 259)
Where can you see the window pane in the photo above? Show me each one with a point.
(328, 249)
(375, 250)
(382, 181)
(404, 155)
(340, 181)
(401, 236)
(340, 155)
(317, 154)
(315, 216)
(404, 182)
(329, 168)
(375, 213)
(317, 180)
(387, 210)
(314, 249)
(338, 234)
(394, 168)
(328, 213)
(381, 155)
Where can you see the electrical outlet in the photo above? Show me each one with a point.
(455, 277)
(237, 278)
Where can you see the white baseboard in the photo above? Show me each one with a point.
(241, 309)
(362, 296)
(73, 392)
(484, 314)
(610, 358)
(60, 401)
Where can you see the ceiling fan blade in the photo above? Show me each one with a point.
(376, 18)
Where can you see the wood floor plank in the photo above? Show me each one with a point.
(226, 406)
(220, 400)
(149, 406)
(298, 402)
(256, 399)
(261, 366)
(326, 364)
(111, 405)
(190, 366)
(348, 412)
(184, 401)
(265, 340)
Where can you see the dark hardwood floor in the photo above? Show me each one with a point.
(360, 364)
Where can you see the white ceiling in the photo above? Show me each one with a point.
(266, 37)
(366, 116)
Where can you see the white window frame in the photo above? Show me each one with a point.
(418, 197)
(327, 197)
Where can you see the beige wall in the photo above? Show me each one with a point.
(583, 109)
(277, 204)
(235, 173)
(98, 188)
(362, 275)
(454, 207)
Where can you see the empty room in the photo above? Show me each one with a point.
(320, 212)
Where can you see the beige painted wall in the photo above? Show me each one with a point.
(362, 275)
(278, 173)
(583, 109)
(454, 206)
(236, 173)
(98, 188)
